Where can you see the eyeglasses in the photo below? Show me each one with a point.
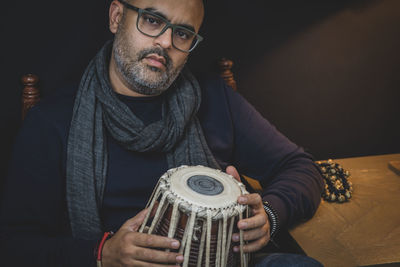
(153, 25)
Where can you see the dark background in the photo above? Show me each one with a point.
(325, 73)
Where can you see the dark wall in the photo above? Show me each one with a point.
(52, 39)
(326, 73)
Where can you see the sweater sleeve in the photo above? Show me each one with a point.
(291, 181)
(34, 227)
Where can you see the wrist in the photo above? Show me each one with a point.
(273, 218)
(99, 248)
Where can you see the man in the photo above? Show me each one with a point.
(88, 162)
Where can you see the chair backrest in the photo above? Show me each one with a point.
(225, 71)
(31, 92)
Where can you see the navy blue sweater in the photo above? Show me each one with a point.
(34, 225)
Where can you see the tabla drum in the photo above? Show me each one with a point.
(198, 206)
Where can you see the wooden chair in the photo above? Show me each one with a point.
(31, 92)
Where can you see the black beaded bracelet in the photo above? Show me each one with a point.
(273, 218)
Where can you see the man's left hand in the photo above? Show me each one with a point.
(256, 228)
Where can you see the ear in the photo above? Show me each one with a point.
(115, 15)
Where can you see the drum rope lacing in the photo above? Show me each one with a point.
(197, 212)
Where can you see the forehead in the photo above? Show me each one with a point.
(177, 11)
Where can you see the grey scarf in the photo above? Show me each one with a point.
(97, 110)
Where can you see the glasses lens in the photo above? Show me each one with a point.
(184, 39)
(150, 24)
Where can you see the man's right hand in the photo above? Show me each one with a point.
(128, 247)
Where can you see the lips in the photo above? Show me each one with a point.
(156, 60)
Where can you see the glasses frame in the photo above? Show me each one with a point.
(166, 27)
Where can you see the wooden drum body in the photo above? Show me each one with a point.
(198, 206)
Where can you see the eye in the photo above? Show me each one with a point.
(151, 20)
(183, 34)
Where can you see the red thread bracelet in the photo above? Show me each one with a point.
(106, 236)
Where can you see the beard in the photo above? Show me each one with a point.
(140, 77)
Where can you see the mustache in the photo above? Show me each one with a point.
(156, 50)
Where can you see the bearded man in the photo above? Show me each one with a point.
(90, 158)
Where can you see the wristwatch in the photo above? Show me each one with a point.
(273, 218)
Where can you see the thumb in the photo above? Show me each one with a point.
(134, 223)
(232, 171)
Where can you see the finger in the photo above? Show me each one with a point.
(134, 223)
(253, 246)
(232, 171)
(257, 220)
(252, 234)
(158, 256)
(253, 200)
(153, 241)
(256, 245)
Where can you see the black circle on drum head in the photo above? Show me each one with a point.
(205, 185)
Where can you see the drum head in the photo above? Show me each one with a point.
(205, 187)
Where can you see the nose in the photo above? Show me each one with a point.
(165, 39)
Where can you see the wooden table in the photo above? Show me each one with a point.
(363, 231)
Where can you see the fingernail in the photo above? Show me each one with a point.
(179, 258)
(242, 199)
(243, 224)
(235, 238)
(175, 244)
